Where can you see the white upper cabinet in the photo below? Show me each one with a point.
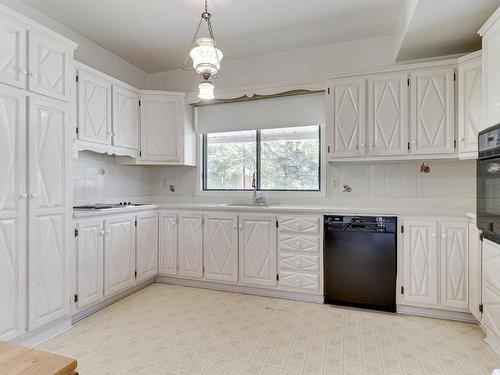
(12, 211)
(94, 108)
(491, 286)
(432, 111)
(147, 245)
(475, 298)
(257, 247)
(469, 104)
(12, 53)
(125, 117)
(119, 253)
(167, 254)
(49, 66)
(387, 114)
(190, 253)
(346, 109)
(220, 247)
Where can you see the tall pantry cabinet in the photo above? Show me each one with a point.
(35, 184)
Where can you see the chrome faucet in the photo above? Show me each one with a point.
(258, 198)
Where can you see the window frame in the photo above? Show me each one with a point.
(258, 154)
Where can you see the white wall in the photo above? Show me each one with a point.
(88, 52)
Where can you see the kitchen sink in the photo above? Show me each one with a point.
(249, 205)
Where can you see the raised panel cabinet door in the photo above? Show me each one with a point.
(12, 53)
(257, 246)
(190, 255)
(420, 272)
(161, 128)
(388, 114)
(125, 117)
(50, 223)
(491, 91)
(347, 113)
(119, 254)
(90, 261)
(432, 112)
(147, 245)
(220, 247)
(167, 255)
(300, 224)
(12, 212)
(491, 286)
(454, 266)
(470, 104)
(94, 108)
(475, 266)
(49, 67)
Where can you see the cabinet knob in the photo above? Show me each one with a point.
(174, 222)
(107, 231)
(33, 195)
(433, 234)
(102, 232)
(444, 235)
(241, 226)
(33, 75)
(23, 196)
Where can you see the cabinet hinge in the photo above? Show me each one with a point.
(328, 91)
(277, 277)
(136, 223)
(203, 269)
(135, 274)
(402, 228)
(140, 153)
(76, 232)
(408, 82)
(77, 78)
(277, 224)
(454, 77)
(454, 143)
(481, 308)
(481, 236)
(329, 149)
(402, 290)
(139, 103)
(77, 130)
(408, 145)
(75, 298)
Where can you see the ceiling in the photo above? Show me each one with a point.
(155, 35)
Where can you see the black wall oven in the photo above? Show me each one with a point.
(488, 183)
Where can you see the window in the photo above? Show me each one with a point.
(282, 159)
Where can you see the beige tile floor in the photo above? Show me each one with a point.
(167, 329)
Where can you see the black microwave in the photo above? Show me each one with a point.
(488, 183)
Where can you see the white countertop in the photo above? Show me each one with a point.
(113, 211)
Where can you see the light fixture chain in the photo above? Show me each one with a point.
(193, 42)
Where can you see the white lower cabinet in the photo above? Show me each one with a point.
(220, 247)
(491, 287)
(147, 245)
(167, 252)
(257, 248)
(475, 266)
(119, 253)
(190, 250)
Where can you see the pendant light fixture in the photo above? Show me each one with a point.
(206, 57)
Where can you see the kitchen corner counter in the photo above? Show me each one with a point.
(113, 211)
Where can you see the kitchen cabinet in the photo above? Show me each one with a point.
(387, 114)
(147, 245)
(167, 255)
(491, 287)
(346, 108)
(454, 265)
(49, 209)
(119, 253)
(13, 57)
(12, 211)
(190, 250)
(469, 104)
(257, 248)
(220, 247)
(89, 262)
(475, 274)
(125, 117)
(432, 127)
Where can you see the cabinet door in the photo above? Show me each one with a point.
(257, 245)
(161, 128)
(475, 298)
(220, 247)
(49, 64)
(90, 260)
(50, 224)
(432, 112)
(12, 53)
(420, 262)
(491, 91)
(454, 269)
(469, 106)
(147, 245)
(12, 212)
(387, 114)
(119, 254)
(125, 117)
(94, 108)
(167, 257)
(491, 286)
(347, 114)
(190, 246)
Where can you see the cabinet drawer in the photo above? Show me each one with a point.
(301, 224)
(302, 243)
(299, 281)
(299, 262)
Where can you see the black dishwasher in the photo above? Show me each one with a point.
(360, 261)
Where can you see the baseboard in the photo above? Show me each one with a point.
(436, 313)
(101, 305)
(492, 339)
(42, 334)
(240, 289)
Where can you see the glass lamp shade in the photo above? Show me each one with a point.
(206, 91)
(206, 58)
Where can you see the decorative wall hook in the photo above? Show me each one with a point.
(424, 168)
